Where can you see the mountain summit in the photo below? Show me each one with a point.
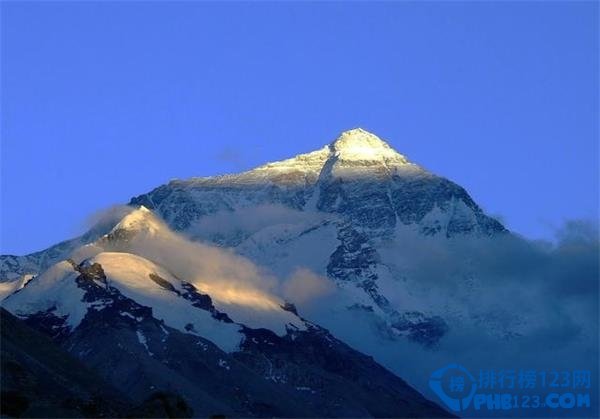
(357, 176)
(358, 137)
(355, 153)
(358, 144)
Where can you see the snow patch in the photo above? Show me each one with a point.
(54, 290)
(142, 339)
(223, 364)
(130, 274)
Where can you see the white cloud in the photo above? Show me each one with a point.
(305, 287)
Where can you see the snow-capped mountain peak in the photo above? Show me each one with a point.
(138, 220)
(139, 217)
(354, 153)
(358, 144)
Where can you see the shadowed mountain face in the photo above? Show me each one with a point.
(203, 287)
(40, 379)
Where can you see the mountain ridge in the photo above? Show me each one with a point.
(321, 177)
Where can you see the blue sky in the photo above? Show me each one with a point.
(101, 102)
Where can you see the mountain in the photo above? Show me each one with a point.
(358, 176)
(303, 287)
(335, 210)
(326, 220)
(352, 196)
(240, 351)
(40, 379)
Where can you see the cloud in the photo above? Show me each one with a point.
(509, 303)
(523, 285)
(248, 293)
(201, 263)
(108, 217)
(244, 222)
(219, 272)
(231, 156)
(305, 287)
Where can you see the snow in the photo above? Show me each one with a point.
(358, 144)
(85, 252)
(9, 287)
(283, 248)
(355, 153)
(233, 283)
(302, 388)
(57, 289)
(54, 289)
(129, 269)
(140, 219)
(126, 314)
(130, 274)
(99, 305)
(307, 167)
(142, 339)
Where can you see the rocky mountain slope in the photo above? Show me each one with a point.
(39, 379)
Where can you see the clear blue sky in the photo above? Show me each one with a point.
(101, 102)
